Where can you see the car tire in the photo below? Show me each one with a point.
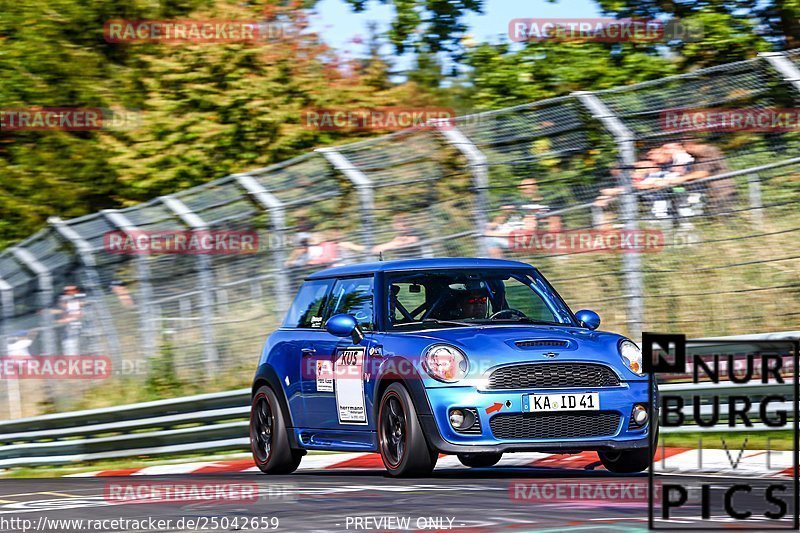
(269, 437)
(629, 461)
(479, 460)
(625, 461)
(401, 442)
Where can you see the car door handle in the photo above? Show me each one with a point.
(308, 351)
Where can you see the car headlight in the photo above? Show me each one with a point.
(631, 356)
(445, 363)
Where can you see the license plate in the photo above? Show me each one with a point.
(587, 401)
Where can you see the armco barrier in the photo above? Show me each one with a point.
(219, 421)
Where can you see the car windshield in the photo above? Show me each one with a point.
(457, 298)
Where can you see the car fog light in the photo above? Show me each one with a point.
(456, 418)
(640, 415)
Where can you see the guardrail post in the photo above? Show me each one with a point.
(363, 186)
(145, 291)
(277, 214)
(86, 254)
(629, 210)
(195, 223)
(479, 168)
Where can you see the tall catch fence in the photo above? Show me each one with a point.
(725, 203)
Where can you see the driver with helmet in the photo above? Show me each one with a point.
(473, 304)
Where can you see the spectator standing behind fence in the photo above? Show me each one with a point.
(668, 183)
(405, 242)
(530, 215)
(70, 319)
(122, 293)
(710, 161)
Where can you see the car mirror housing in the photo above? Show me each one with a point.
(588, 319)
(344, 325)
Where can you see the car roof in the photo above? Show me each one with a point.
(416, 264)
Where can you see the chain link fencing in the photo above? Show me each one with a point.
(725, 203)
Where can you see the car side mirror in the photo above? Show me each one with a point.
(344, 325)
(588, 319)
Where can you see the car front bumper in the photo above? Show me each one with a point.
(618, 400)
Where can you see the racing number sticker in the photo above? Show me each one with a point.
(349, 375)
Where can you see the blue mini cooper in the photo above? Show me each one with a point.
(473, 357)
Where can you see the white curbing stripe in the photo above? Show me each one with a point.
(180, 468)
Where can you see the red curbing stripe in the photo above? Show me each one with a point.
(237, 465)
(585, 459)
(670, 452)
(368, 460)
(120, 472)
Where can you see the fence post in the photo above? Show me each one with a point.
(6, 312)
(791, 74)
(195, 223)
(86, 254)
(479, 168)
(363, 186)
(45, 284)
(784, 66)
(277, 214)
(629, 211)
(756, 202)
(145, 291)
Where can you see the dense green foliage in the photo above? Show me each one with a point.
(204, 110)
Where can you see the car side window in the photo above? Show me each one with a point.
(308, 306)
(404, 299)
(354, 296)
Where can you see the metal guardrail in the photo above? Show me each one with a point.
(204, 422)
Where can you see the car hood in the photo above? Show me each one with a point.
(490, 346)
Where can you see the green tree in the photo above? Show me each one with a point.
(205, 110)
(501, 77)
(429, 25)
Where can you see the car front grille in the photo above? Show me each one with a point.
(567, 425)
(552, 375)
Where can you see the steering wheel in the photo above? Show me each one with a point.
(510, 312)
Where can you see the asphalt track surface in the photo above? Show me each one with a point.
(459, 500)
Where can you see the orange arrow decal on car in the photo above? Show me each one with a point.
(494, 407)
